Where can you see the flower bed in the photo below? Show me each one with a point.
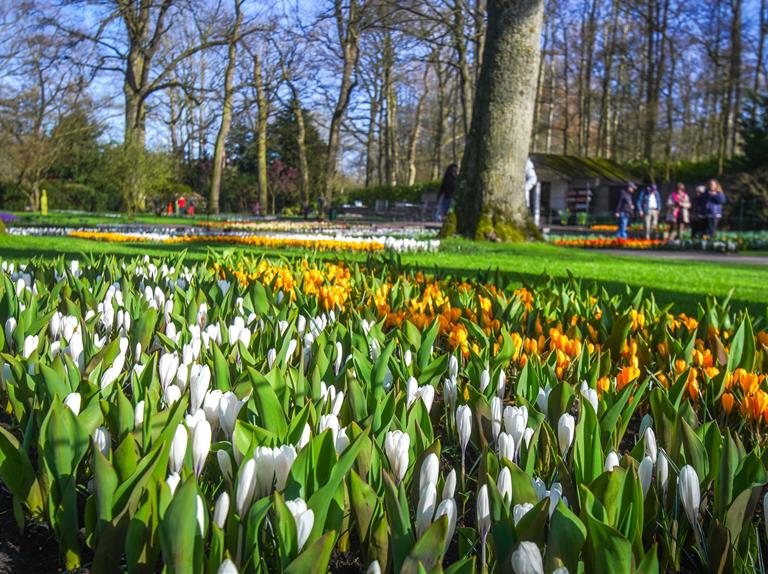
(245, 415)
(610, 243)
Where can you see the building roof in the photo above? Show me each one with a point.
(572, 167)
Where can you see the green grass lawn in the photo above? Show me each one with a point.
(684, 283)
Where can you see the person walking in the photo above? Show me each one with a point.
(447, 191)
(625, 209)
(678, 211)
(698, 212)
(648, 206)
(715, 198)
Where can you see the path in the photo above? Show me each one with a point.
(727, 258)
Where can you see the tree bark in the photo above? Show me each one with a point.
(413, 140)
(462, 63)
(301, 143)
(491, 194)
(261, 132)
(226, 113)
(348, 37)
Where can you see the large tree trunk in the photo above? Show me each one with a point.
(491, 195)
(261, 133)
(226, 114)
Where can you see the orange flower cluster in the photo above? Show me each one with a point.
(754, 401)
(604, 227)
(610, 243)
(262, 241)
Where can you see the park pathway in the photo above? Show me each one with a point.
(727, 258)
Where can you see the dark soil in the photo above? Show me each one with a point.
(34, 551)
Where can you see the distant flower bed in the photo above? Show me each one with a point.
(8, 217)
(604, 227)
(304, 241)
(610, 243)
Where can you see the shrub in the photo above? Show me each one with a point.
(410, 193)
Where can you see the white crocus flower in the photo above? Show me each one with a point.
(173, 481)
(483, 510)
(265, 470)
(464, 429)
(496, 409)
(566, 430)
(506, 446)
(396, 445)
(485, 380)
(201, 445)
(504, 482)
(650, 444)
(690, 494)
(199, 381)
(645, 473)
(515, 423)
(304, 519)
(246, 483)
(284, 457)
(73, 402)
(178, 449)
(430, 469)
(521, 510)
(611, 461)
(426, 508)
(526, 559)
(662, 472)
(102, 440)
(221, 510)
(449, 487)
(447, 507)
(30, 345)
(167, 366)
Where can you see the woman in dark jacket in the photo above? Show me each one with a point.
(447, 191)
(713, 207)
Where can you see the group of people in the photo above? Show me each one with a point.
(702, 213)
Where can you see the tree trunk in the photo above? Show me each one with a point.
(349, 43)
(442, 109)
(491, 194)
(413, 140)
(301, 144)
(462, 63)
(226, 114)
(261, 133)
(370, 140)
(390, 133)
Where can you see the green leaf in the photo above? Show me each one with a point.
(607, 550)
(567, 535)
(315, 559)
(428, 552)
(179, 529)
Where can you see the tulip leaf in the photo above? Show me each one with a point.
(566, 538)
(16, 471)
(315, 559)
(378, 375)
(179, 529)
(402, 537)
(587, 452)
(695, 453)
(268, 407)
(607, 550)
(428, 551)
(320, 501)
(286, 531)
